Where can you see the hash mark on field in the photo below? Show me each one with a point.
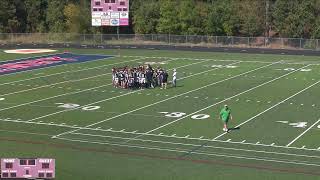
(173, 135)
(122, 130)
(201, 137)
(135, 131)
(189, 135)
(160, 134)
(98, 128)
(272, 144)
(258, 142)
(109, 129)
(228, 140)
(303, 147)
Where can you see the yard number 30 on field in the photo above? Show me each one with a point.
(181, 114)
(77, 106)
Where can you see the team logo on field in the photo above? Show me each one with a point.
(45, 61)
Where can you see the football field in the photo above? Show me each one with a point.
(71, 112)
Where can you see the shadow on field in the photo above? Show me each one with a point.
(234, 129)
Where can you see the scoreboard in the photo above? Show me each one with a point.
(110, 12)
(27, 168)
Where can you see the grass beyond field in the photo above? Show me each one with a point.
(173, 133)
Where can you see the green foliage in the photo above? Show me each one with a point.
(294, 18)
(55, 17)
(146, 17)
(168, 21)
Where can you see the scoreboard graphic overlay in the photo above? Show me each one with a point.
(27, 168)
(110, 12)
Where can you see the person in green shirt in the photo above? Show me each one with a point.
(225, 115)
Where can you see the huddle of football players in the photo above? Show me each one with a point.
(139, 77)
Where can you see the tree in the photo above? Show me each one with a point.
(55, 17)
(168, 21)
(145, 18)
(293, 18)
(36, 15)
(222, 18)
(73, 19)
(251, 14)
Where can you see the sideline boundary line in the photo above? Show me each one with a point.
(187, 151)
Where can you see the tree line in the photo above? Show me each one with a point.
(280, 18)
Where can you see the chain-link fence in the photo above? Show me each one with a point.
(160, 39)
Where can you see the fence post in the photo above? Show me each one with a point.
(169, 38)
(216, 41)
(232, 41)
(186, 39)
(317, 45)
(282, 45)
(300, 43)
(248, 42)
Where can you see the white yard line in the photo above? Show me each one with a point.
(66, 72)
(253, 88)
(143, 107)
(193, 152)
(104, 100)
(290, 97)
(303, 133)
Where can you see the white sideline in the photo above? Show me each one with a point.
(200, 145)
(65, 72)
(109, 98)
(155, 135)
(191, 152)
(248, 90)
(264, 62)
(303, 132)
(271, 107)
(143, 107)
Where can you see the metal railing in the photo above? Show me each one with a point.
(160, 39)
